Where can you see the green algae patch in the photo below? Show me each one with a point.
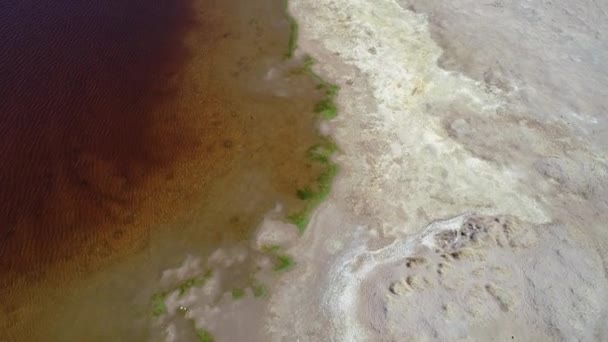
(238, 293)
(305, 193)
(314, 198)
(293, 37)
(284, 262)
(315, 193)
(293, 33)
(259, 291)
(273, 249)
(300, 219)
(204, 336)
(158, 299)
(326, 108)
(158, 304)
(322, 152)
(197, 281)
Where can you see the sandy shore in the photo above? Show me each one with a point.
(472, 201)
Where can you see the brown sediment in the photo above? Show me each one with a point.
(117, 118)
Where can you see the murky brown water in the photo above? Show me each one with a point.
(132, 134)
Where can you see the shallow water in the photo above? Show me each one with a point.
(135, 133)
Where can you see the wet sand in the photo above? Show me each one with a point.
(134, 133)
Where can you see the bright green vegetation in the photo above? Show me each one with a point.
(293, 33)
(293, 37)
(158, 303)
(326, 108)
(197, 281)
(158, 299)
(204, 336)
(317, 192)
(238, 293)
(308, 63)
(259, 291)
(300, 219)
(271, 249)
(331, 90)
(321, 153)
(305, 194)
(284, 262)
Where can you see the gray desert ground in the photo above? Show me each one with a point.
(472, 198)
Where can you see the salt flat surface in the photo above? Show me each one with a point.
(473, 198)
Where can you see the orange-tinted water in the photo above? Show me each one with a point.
(133, 132)
(81, 84)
